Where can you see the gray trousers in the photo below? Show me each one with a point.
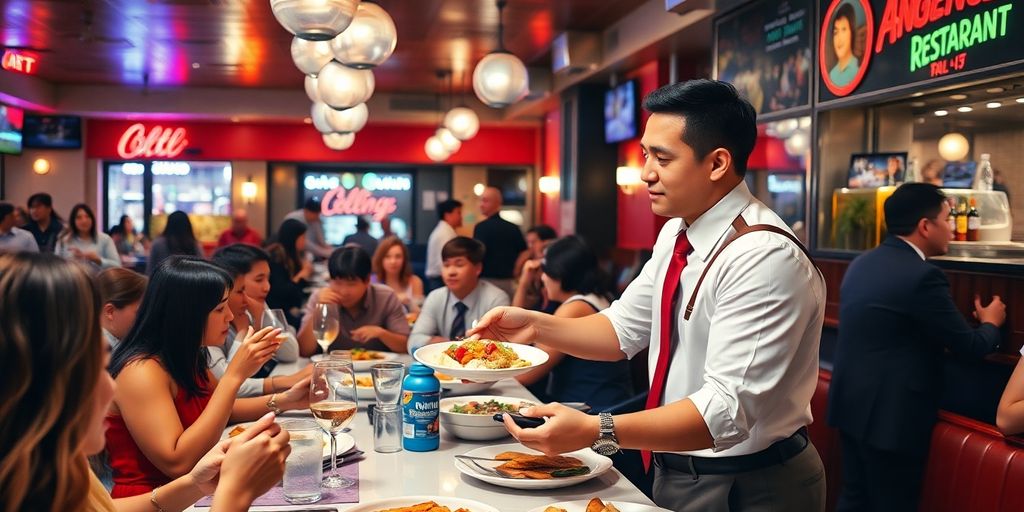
(797, 485)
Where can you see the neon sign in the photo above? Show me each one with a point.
(19, 62)
(927, 49)
(160, 142)
(357, 201)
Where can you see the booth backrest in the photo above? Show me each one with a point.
(971, 466)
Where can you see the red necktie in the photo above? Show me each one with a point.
(668, 322)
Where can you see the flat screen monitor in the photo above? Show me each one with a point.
(512, 183)
(873, 170)
(620, 112)
(12, 121)
(53, 132)
(959, 174)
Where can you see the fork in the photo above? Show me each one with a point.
(485, 469)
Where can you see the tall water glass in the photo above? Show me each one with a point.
(326, 324)
(387, 382)
(333, 399)
(303, 469)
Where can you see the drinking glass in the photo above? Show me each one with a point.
(277, 319)
(303, 469)
(387, 382)
(341, 355)
(387, 429)
(333, 399)
(325, 324)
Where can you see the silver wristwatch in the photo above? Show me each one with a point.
(606, 444)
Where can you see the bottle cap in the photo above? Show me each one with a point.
(986, 156)
(420, 369)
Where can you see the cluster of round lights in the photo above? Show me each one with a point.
(337, 44)
(459, 125)
(795, 133)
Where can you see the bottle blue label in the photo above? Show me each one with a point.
(420, 415)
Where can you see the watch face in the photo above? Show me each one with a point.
(605, 447)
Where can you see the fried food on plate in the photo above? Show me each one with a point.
(428, 506)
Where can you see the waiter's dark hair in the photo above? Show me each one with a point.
(349, 262)
(471, 248)
(910, 203)
(447, 206)
(715, 114)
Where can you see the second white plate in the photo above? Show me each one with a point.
(581, 506)
(599, 464)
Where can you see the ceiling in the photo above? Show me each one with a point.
(982, 107)
(238, 43)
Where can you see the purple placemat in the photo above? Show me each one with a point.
(275, 496)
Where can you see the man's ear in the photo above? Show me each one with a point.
(720, 161)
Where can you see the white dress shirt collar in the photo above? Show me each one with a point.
(914, 247)
(705, 232)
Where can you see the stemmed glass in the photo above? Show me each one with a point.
(333, 401)
(326, 325)
(277, 319)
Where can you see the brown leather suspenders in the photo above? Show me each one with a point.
(742, 228)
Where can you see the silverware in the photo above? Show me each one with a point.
(348, 458)
(470, 457)
(487, 470)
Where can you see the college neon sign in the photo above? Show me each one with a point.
(159, 142)
(357, 201)
(19, 62)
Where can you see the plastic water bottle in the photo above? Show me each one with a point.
(421, 396)
(911, 175)
(986, 178)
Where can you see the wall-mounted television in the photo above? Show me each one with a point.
(512, 183)
(12, 120)
(53, 132)
(621, 114)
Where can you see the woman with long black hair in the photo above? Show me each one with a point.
(81, 241)
(177, 238)
(290, 271)
(168, 410)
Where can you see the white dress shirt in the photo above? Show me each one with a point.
(221, 355)
(748, 356)
(442, 234)
(914, 247)
(439, 311)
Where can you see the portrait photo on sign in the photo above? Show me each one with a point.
(872, 170)
(845, 45)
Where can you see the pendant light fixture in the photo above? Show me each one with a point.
(500, 78)
(310, 56)
(369, 40)
(462, 121)
(339, 141)
(435, 149)
(311, 88)
(439, 146)
(315, 20)
(349, 120)
(343, 87)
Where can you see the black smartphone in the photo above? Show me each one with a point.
(522, 421)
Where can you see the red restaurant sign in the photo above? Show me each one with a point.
(19, 62)
(160, 142)
(358, 201)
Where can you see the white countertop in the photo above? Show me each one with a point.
(405, 473)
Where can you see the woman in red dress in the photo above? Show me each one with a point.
(168, 410)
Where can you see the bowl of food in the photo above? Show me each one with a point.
(472, 417)
(481, 360)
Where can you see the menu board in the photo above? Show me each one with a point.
(764, 49)
(871, 45)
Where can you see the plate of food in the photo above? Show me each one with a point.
(481, 360)
(345, 441)
(472, 417)
(364, 387)
(422, 504)
(363, 360)
(597, 505)
(456, 387)
(518, 467)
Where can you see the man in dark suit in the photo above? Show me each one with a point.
(503, 240)
(896, 317)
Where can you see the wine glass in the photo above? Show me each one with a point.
(333, 401)
(325, 325)
(277, 319)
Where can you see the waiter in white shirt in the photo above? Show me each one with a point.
(732, 322)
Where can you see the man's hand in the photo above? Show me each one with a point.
(994, 313)
(367, 333)
(506, 324)
(565, 430)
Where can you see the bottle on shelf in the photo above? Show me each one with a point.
(973, 222)
(986, 177)
(951, 218)
(961, 221)
(910, 176)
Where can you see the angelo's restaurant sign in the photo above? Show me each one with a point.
(872, 45)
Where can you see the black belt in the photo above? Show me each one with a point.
(777, 453)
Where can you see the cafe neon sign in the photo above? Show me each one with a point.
(159, 142)
(357, 201)
(19, 62)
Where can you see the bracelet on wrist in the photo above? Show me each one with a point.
(154, 502)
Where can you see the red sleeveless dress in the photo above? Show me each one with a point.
(134, 474)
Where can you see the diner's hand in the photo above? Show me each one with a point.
(257, 348)
(206, 472)
(306, 271)
(367, 333)
(253, 464)
(327, 295)
(565, 429)
(296, 397)
(994, 313)
(531, 269)
(506, 324)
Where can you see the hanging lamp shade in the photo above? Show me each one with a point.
(500, 78)
(318, 113)
(369, 40)
(310, 56)
(311, 90)
(954, 147)
(462, 122)
(349, 120)
(343, 87)
(448, 140)
(435, 150)
(315, 20)
(339, 141)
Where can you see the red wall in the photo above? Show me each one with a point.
(551, 166)
(378, 143)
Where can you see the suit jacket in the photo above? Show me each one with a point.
(896, 317)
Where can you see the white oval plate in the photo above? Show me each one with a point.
(364, 366)
(581, 506)
(365, 392)
(599, 464)
(407, 501)
(456, 387)
(430, 355)
(345, 441)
